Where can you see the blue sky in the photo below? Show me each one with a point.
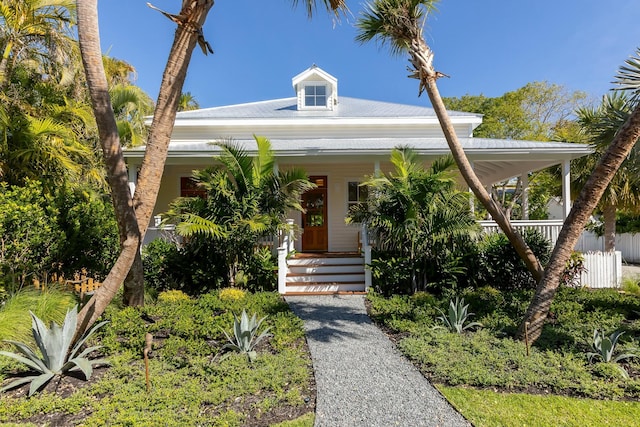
(489, 47)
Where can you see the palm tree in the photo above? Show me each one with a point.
(246, 199)
(118, 72)
(600, 124)
(33, 29)
(188, 102)
(418, 214)
(131, 105)
(399, 24)
(133, 223)
(625, 138)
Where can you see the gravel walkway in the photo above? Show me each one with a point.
(361, 379)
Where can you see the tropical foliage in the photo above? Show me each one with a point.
(600, 124)
(418, 215)
(246, 199)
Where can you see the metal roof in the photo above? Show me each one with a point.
(287, 108)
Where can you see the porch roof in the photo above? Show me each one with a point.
(494, 159)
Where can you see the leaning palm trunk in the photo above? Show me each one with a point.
(609, 217)
(194, 14)
(422, 61)
(584, 205)
(112, 151)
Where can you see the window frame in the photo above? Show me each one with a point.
(361, 196)
(326, 95)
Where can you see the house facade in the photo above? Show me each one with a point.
(339, 141)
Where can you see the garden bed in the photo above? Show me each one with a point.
(191, 383)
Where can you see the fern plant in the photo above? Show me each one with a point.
(457, 316)
(604, 348)
(245, 335)
(57, 355)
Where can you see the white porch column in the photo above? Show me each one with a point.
(566, 188)
(525, 195)
(276, 168)
(376, 168)
(133, 177)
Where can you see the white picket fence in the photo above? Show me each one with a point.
(628, 244)
(602, 270)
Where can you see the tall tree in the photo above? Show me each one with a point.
(399, 24)
(33, 29)
(538, 111)
(600, 125)
(532, 112)
(623, 142)
(134, 223)
(117, 176)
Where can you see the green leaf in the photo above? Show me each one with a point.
(40, 381)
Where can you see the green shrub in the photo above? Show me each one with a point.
(91, 232)
(159, 260)
(172, 296)
(502, 268)
(631, 285)
(390, 274)
(29, 235)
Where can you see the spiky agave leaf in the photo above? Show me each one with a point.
(57, 356)
(244, 331)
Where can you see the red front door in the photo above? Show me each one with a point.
(314, 220)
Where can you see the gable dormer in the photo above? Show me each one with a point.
(315, 89)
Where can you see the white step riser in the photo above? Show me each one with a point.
(326, 288)
(327, 279)
(294, 269)
(324, 261)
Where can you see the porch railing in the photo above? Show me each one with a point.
(550, 229)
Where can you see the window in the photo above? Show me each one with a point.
(357, 194)
(315, 96)
(189, 188)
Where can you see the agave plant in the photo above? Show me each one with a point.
(59, 354)
(605, 348)
(457, 317)
(245, 337)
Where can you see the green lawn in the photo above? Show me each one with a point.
(485, 408)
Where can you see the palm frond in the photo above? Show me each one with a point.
(628, 77)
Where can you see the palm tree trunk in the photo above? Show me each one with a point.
(584, 205)
(422, 60)
(609, 216)
(88, 36)
(164, 116)
(159, 136)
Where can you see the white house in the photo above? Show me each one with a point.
(338, 141)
